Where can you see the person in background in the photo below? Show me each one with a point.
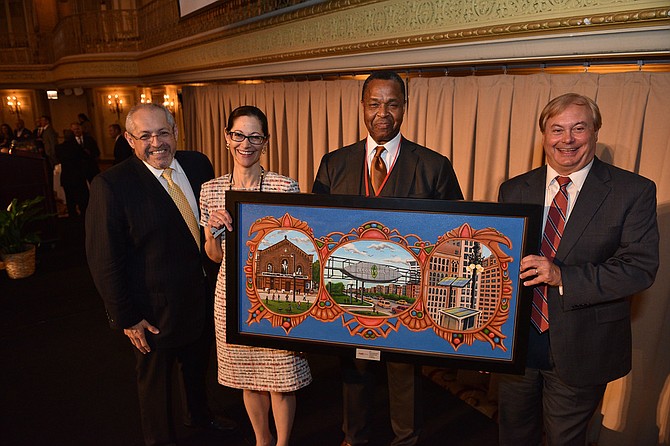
(384, 164)
(90, 151)
(48, 138)
(21, 133)
(267, 377)
(6, 136)
(122, 149)
(600, 246)
(72, 178)
(144, 250)
(86, 125)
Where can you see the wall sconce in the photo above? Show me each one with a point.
(167, 103)
(52, 94)
(115, 105)
(144, 99)
(14, 106)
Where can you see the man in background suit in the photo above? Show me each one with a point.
(149, 268)
(21, 133)
(90, 151)
(47, 138)
(608, 252)
(122, 149)
(71, 158)
(412, 171)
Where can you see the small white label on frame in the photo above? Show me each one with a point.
(370, 355)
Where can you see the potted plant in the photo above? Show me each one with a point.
(18, 239)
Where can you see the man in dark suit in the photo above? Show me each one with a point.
(122, 149)
(146, 259)
(608, 250)
(71, 158)
(90, 150)
(384, 165)
(21, 133)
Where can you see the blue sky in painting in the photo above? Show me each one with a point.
(425, 225)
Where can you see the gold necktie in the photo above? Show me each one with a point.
(180, 200)
(378, 173)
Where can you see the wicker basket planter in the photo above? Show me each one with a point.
(20, 265)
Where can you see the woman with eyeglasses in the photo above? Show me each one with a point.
(267, 377)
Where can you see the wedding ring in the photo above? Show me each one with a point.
(536, 273)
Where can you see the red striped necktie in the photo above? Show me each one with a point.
(553, 232)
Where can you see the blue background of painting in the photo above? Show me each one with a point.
(427, 226)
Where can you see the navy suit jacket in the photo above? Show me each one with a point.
(418, 173)
(142, 256)
(608, 252)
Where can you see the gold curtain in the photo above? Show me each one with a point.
(487, 126)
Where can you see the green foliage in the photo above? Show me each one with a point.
(15, 232)
(316, 273)
(335, 288)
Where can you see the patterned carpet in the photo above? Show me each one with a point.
(478, 389)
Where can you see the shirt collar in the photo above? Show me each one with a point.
(158, 172)
(578, 178)
(392, 147)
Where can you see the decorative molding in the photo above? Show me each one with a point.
(290, 43)
(345, 35)
(543, 49)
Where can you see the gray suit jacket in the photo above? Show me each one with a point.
(609, 251)
(142, 256)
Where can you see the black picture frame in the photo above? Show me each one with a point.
(423, 281)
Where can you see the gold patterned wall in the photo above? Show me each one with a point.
(335, 36)
(336, 29)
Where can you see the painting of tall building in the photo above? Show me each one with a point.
(464, 285)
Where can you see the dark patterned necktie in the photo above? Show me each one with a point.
(553, 232)
(378, 172)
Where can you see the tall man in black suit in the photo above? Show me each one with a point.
(149, 267)
(122, 149)
(405, 169)
(72, 158)
(90, 150)
(608, 252)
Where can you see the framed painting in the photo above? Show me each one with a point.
(426, 281)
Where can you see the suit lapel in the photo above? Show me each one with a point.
(534, 188)
(196, 177)
(594, 192)
(185, 163)
(353, 178)
(156, 194)
(401, 179)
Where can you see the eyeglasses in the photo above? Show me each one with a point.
(256, 140)
(163, 135)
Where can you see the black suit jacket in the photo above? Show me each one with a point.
(142, 256)
(25, 135)
(418, 173)
(71, 158)
(122, 149)
(91, 156)
(608, 252)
